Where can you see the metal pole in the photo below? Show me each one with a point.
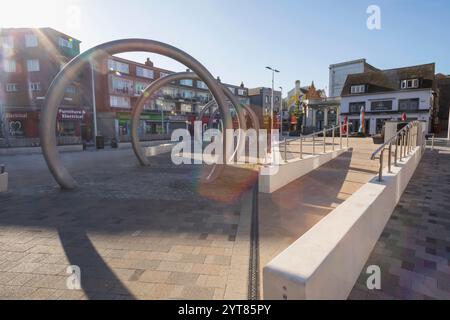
(285, 149)
(334, 134)
(380, 172)
(301, 148)
(314, 145)
(94, 103)
(390, 158)
(347, 135)
(396, 150)
(271, 105)
(340, 136)
(432, 142)
(324, 141)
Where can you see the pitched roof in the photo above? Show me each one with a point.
(389, 80)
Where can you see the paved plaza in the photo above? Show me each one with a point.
(136, 233)
(414, 249)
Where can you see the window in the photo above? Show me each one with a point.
(381, 105)
(267, 99)
(203, 96)
(71, 90)
(201, 85)
(31, 40)
(11, 87)
(408, 105)
(118, 66)
(139, 87)
(33, 65)
(186, 108)
(145, 73)
(35, 86)
(186, 83)
(119, 102)
(9, 65)
(355, 107)
(242, 92)
(358, 89)
(120, 85)
(65, 43)
(187, 94)
(232, 90)
(410, 84)
(7, 42)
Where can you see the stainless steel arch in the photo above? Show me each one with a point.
(151, 90)
(55, 93)
(253, 117)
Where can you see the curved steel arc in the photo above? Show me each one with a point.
(71, 70)
(150, 91)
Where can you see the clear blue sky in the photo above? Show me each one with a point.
(236, 39)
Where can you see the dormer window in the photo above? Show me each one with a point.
(410, 84)
(358, 89)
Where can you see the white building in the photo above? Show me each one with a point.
(340, 71)
(387, 95)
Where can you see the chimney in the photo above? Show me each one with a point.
(242, 85)
(218, 79)
(149, 63)
(188, 70)
(297, 85)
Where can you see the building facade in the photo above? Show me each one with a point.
(443, 84)
(388, 94)
(30, 59)
(120, 82)
(261, 102)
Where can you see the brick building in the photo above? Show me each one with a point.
(120, 82)
(30, 59)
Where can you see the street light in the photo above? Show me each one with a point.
(281, 111)
(273, 89)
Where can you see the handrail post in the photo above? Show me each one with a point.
(432, 142)
(396, 150)
(285, 149)
(324, 141)
(314, 145)
(301, 148)
(380, 172)
(390, 158)
(333, 135)
(348, 132)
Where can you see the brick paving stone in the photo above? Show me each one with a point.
(136, 233)
(417, 242)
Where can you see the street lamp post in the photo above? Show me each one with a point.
(273, 89)
(281, 112)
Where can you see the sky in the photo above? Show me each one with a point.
(237, 39)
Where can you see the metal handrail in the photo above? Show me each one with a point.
(408, 138)
(313, 136)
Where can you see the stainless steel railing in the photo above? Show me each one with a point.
(317, 142)
(405, 140)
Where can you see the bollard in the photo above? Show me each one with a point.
(324, 141)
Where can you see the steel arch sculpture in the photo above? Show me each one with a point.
(55, 93)
(157, 85)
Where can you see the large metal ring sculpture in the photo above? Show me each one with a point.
(55, 93)
(139, 107)
(157, 85)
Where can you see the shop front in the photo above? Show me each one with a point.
(19, 128)
(151, 126)
(73, 126)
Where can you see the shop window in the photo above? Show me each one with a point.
(381, 105)
(408, 105)
(355, 107)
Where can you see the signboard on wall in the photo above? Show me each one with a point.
(71, 114)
